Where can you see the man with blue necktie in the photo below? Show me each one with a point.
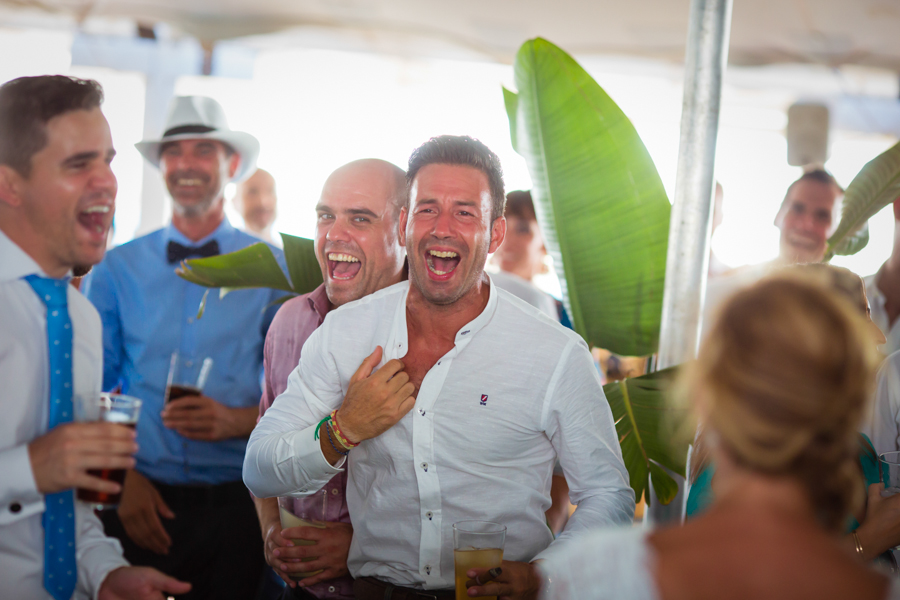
(184, 509)
(57, 199)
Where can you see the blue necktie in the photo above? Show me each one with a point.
(60, 570)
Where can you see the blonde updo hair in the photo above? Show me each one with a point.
(786, 373)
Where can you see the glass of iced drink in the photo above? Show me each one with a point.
(476, 545)
(110, 408)
(187, 376)
(303, 512)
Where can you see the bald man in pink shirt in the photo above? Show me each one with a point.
(359, 252)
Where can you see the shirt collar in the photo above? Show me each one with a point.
(172, 234)
(16, 263)
(318, 301)
(398, 342)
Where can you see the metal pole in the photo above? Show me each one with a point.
(687, 261)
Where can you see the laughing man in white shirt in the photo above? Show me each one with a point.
(57, 197)
(459, 413)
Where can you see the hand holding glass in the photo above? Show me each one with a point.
(187, 376)
(476, 545)
(305, 512)
(109, 408)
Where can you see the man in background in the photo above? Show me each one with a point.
(255, 199)
(57, 200)
(807, 217)
(184, 509)
(359, 253)
(883, 290)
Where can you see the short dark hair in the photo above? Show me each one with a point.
(461, 150)
(820, 176)
(28, 103)
(519, 204)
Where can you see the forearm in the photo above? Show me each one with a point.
(287, 463)
(267, 513)
(242, 421)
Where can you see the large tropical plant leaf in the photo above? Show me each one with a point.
(300, 255)
(256, 267)
(645, 424)
(875, 186)
(600, 202)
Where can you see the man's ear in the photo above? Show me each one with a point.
(10, 185)
(498, 234)
(233, 163)
(401, 234)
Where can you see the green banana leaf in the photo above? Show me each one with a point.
(255, 267)
(645, 424)
(599, 199)
(875, 186)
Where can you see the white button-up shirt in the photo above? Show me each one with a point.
(24, 406)
(883, 425)
(490, 418)
(880, 316)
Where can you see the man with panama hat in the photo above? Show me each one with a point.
(184, 509)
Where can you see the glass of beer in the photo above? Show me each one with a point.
(476, 545)
(109, 408)
(303, 512)
(187, 376)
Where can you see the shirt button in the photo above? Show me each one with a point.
(190, 320)
(429, 514)
(331, 589)
(334, 492)
(428, 569)
(15, 507)
(422, 411)
(425, 466)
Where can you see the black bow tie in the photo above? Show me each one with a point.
(175, 252)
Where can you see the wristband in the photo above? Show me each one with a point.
(342, 439)
(319, 426)
(331, 441)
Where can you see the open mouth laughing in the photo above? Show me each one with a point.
(96, 218)
(342, 266)
(441, 263)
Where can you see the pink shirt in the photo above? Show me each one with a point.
(293, 323)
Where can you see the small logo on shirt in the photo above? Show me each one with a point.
(483, 400)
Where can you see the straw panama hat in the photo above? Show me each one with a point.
(198, 117)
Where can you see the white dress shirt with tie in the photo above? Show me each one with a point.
(516, 391)
(24, 404)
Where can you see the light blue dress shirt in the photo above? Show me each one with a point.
(148, 312)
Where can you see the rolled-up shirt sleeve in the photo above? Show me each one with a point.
(284, 456)
(579, 423)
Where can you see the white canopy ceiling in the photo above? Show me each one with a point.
(827, 32)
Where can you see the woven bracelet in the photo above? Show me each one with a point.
(319, 426)
(331, 441)
(344, 441)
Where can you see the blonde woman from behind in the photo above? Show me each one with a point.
(782, 383)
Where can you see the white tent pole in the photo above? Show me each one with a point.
(687, 261)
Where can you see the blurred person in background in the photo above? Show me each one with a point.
(184, 508)
(877, 525)
(256, 201)
(57, 200)
(807, 217)
(520, 258)
(883, 289)
(359, 252)
(781, 384)
(521, 255)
